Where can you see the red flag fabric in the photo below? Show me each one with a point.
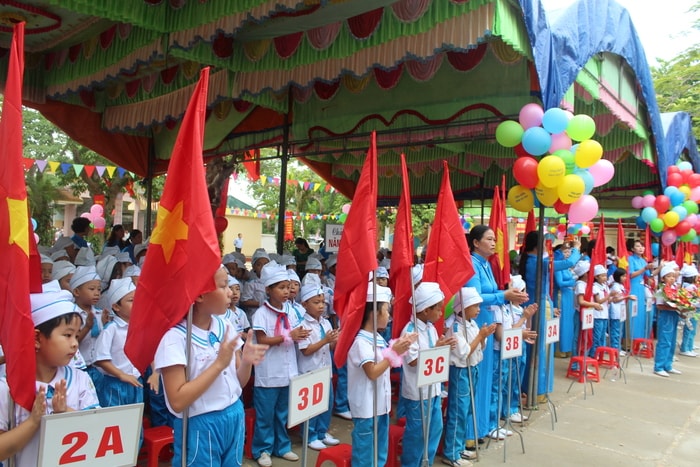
(681, 249)
(623, 255)
(184, 251)
(598, 256)
(251, 162)
(357, 255)
(500, 261)
(647, 245)
(16, 238)
(401, 277)
(448, 261)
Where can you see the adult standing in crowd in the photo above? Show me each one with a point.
(301, 255)
(238, 243)
(116, 238)
(639, 269)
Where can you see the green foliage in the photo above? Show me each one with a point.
(41, 193)
(676, 83)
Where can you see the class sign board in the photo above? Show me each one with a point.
(511, 343)
(587, 318)
(433, 365)
(552, 331)
(309, 395)
(332, 238)
(106, 437)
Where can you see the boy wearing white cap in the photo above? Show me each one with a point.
(272, 327)
(62, 271)
(217, 372)
(689, 275)
(60, 388)
(85, 285)
(666, 322)
(121, 382)
(365, 365)
(234, 314)
(429, 301)
(46, 269)
(314, 352)
(295, 311)
(464, 357)
(581, 272)
(601, 295)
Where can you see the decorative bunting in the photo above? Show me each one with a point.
(53, 165)
(100, 169)
(78, 168)
(41, 165)
(110, 170)
(66, 167)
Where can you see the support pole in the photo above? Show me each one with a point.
(535, 360)
(284, 157)
(149, 190)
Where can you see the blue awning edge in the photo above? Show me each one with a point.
(678, 137)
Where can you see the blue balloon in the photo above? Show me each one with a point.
(683, 165)
(670, 191)
(34, 224)
(655, 249)
(641, 223)
(649, 214)
(536, 140)
(555, 120)
(681, 211)
(587, 180)
(572, 230)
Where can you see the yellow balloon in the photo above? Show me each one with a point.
(521, 199)
(547, 195)
(571, 188)
(588, 153)
(671, 219)
(685, 189)
(550, 171)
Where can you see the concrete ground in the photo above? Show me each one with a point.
(650, 421)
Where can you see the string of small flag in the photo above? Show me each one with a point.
(305, 185)
(65, 167)
(271, 216)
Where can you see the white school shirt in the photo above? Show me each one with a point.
(360, 387)
(454, 327)
(2, 367)
(87, 345)
(502, 315)
(226, 389)
(579, 289)
(280, 362)
(253, 289)
(80, 395)
(238, 318)
(427, 337)
(472, 332)
(601, 291)
(618, 310)
(322, 357)
(295, 313)
(110, 346)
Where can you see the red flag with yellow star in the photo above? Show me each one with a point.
(448, 261)
(183, 254)
(623, 255)
(500, 261)
(16, 238)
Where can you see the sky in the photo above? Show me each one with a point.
(663, 26)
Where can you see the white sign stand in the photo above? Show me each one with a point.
(433, 368)
(107, 437)
(309, 396)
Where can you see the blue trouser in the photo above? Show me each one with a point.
(318, 426)
(159, 413)
(498, 403)
(271, 410)
(688, 340)
(577, 330)
(341, 390)
(363, 440)
(615, 333)
(666, 328)
(96, 376)
(413, 440)
(213, 438)
(600, 328)
(458, 408)
(114, 392)
(519, 366)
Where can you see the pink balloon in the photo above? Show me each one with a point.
(345, 208)
(36, 238)
(695, 194)
(585, 230)
(560, 141)
(668, 237)
(692, 219)
(99, 222)
(530, 115)
(637, 202)
(86, 215)
(583, 209)
(648, 201)
(96, 210)
(602, 172)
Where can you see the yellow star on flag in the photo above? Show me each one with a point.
(169, 228)
(622, 263)
(19, 224)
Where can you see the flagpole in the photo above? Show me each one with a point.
(375, 429)
(283, 175)
(472, 401)
(186, 411)
(535, 361)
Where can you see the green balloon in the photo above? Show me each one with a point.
(691, 207)
(656, 225)
(509, 133)
(342, 217)
(581, 127)
(569, 159)
(689, 236)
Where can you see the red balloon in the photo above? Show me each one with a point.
(682, 228)
(220, 224)
(673, 169)
(525, 172)
(674, 179)
(686, 175)
(561, 207)
(520, 151)
(662, 203)
(694, 180)
(561, 228)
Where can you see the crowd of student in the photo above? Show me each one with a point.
(286, 325)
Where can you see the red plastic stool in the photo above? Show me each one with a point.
(609, 358)
(395, 445)
(154, 440)
(577, 372)
(340, 455)
(249, 430)
(395, 379)
(643, 347)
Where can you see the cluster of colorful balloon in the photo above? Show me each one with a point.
(567, 173)
(674, 214)
(560, 230)
(96, 217)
